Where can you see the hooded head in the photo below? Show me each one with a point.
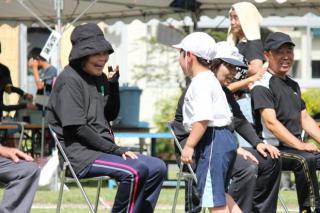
(88, 39)
(250, 20)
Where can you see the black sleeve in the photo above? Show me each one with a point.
(16, 90)
(245, 129)
(91, 139)
(236, 111)
(262, 98)
(113, 103)
(251, 50)
(9, 108)
(254, 50)
(303, 104)
(241, 124)
(179, 115)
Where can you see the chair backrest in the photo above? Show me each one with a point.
(62, 152)
(176, 141)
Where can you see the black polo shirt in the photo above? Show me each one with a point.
(251, 50)
(282, 95)
(81, 99)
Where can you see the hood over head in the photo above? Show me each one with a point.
(88, 39)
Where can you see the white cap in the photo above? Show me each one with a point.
(229, 53)
(200, 44)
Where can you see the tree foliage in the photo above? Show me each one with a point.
(311, 98)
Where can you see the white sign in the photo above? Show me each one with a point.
(50, 45)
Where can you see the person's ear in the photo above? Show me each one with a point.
(189, 56)
(267, 55)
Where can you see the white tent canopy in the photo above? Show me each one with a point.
(17, 11)
(56, 13)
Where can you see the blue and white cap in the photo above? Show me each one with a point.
(229, 54)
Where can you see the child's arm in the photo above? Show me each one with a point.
(197, 131)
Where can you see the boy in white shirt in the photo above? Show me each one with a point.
(206, 115)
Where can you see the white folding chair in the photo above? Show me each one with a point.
(181, 175)
(67, 165)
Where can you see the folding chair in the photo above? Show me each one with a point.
(181, 175)
(67, 165)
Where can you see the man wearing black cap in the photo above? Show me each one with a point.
(280, 116)
(82, 103)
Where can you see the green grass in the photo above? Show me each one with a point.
(73, 202)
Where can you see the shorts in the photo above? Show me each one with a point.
(215, 155)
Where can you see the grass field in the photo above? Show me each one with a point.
(73, 202)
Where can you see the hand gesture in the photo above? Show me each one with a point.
(113, 74)
(14, 154)
(28, 97)
(247, 155)
(263, 148)
(257, 76)
(32, 106)
(130, 154)
(187, 153)
(33, 63)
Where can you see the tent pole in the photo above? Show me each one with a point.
(81, 14)
(35, 15)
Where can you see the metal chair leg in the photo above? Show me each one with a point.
(98, 195)
(283, 204)
(85, 195)
(176, 194)
(63, 178)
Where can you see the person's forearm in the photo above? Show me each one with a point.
(10, 88)
(255, 66)
(283, 135)
(197, 131)
(243, 84)
(113, 102)
(91, 139)
(37, 79)
(9, 108)
(311, 127)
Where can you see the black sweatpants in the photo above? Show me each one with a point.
(304, 165)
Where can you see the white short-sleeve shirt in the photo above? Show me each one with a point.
(205, 100)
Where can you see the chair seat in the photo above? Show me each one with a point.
(71, 179)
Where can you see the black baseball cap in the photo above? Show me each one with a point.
(277, 39)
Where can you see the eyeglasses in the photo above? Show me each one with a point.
(230, 66)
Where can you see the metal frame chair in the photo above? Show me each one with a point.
(181, 175)
(67, 165)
